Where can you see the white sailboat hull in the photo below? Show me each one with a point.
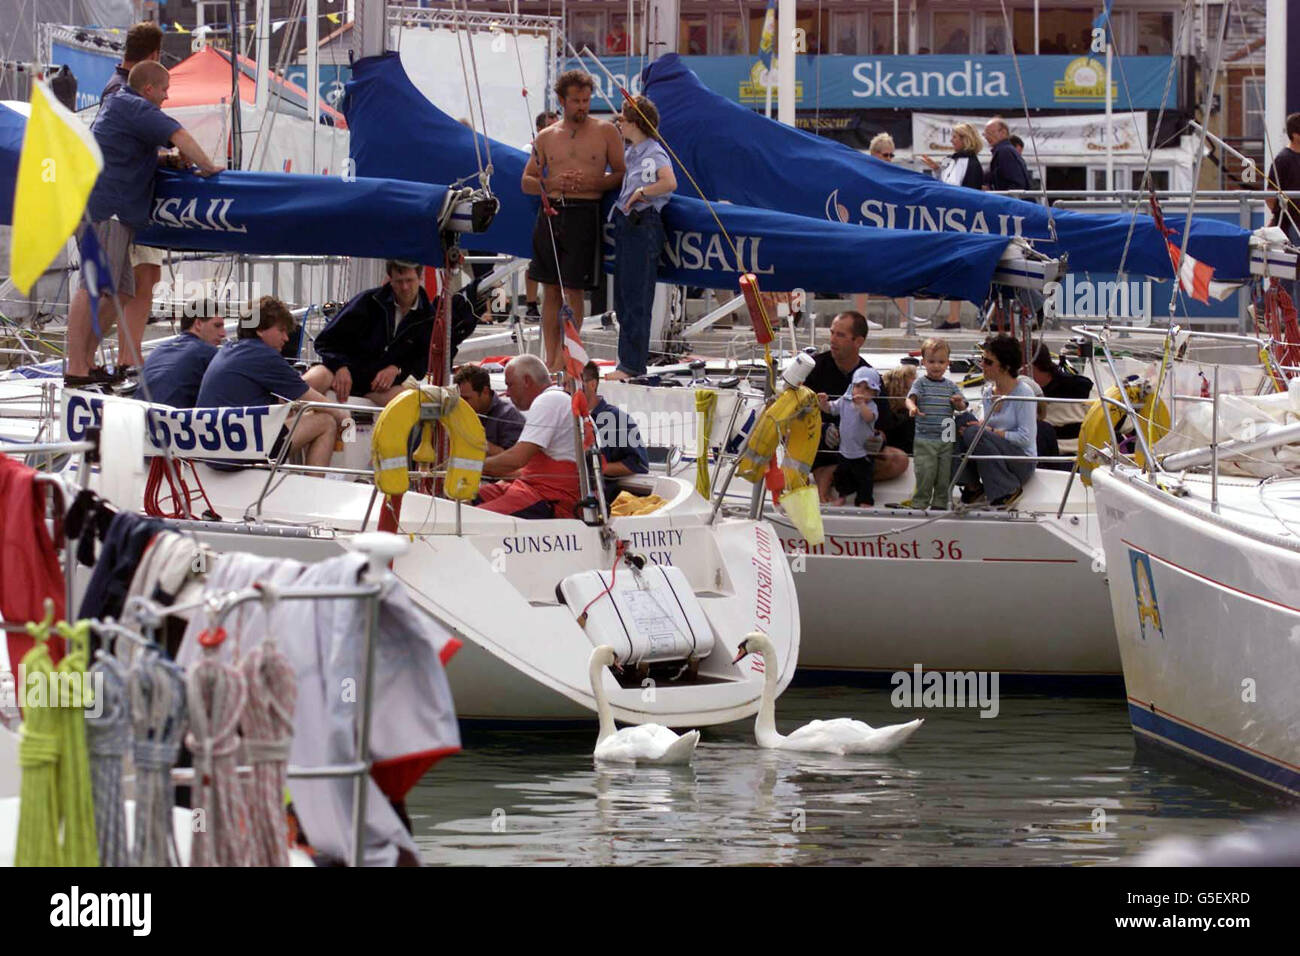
(1208, 620)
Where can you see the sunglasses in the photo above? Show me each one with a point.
(886, 155)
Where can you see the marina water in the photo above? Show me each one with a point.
(1049, 781)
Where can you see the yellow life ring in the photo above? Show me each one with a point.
(429, 405)
(1153, 417)
(795, 418)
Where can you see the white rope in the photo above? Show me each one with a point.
(215, 692)
(157, 694)
(267, 726)
(108, 737)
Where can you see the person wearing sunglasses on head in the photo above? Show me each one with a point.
(1010, 431)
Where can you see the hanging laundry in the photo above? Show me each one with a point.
(29, 562)
(128, 535)
(169, 568)
(413, 722)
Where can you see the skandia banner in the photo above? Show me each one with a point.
(740, 156)
(398, 133)
(936, 81)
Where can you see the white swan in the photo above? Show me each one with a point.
(646, 743)
(842, 735)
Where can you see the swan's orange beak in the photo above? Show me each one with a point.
(741, 653)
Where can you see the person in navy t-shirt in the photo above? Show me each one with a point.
(130, 129)
(174, 370)
(250, 371)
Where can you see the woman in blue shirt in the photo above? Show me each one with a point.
(1011, 430)
(638, 232)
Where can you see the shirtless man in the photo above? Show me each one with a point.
(569, 165)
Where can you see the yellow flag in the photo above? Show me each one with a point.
(178, 28)
(332, 17)
(57, 168)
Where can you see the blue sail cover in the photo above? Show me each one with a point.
(398, 134)
(293, 214)
(272, 213)
(738, 155)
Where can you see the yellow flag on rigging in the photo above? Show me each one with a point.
(57, 168)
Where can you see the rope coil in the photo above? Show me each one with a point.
(157, 698)
(267, 726)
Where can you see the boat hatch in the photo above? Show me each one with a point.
(648, 615)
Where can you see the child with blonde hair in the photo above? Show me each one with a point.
(931, 402)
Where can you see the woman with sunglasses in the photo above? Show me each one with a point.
(1011, 430)
(638, 232)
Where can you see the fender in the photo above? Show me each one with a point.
(429, 405)
(795, 419)
(1094, 430)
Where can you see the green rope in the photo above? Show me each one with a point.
(55, 793)
(38, 755)
(77, 802)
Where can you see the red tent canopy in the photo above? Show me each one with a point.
(204, 79)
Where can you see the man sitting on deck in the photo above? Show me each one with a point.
(543, 463)
(251, 372)
(502, 422)
(621, 450)
(376, 340)
(174, 370)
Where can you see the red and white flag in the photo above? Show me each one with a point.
(575, 356)
(1196, 277)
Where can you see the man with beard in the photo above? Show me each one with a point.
(574, 163)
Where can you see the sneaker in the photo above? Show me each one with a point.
(971, 494)
(948, 327)
(532, 313)
(1007, 502)
(900, 504)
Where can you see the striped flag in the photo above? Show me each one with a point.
(57, 169)
(96, 275)
(575, 356)
(1197, 278)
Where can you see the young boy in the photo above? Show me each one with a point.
(859, 440)
(931, 401)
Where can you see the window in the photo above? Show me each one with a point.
(950, 33)
(617, 40)
(844, 34)
(586, 29)
(1252, 107)
(731, 35)
(694, 37)
(1059, 31)
(882, 32)
(1127, 177)
(1155, 34)
(993, 36)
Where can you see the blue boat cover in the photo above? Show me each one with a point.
(272, 213)
(398, 134)
(741, 156)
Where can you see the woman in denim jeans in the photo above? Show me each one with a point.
(638, 232)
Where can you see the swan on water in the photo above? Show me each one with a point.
(645, 743)
(843, 735)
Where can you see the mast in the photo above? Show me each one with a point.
(1275, 77)
(313, 77)
(783, 50)
(661, 30)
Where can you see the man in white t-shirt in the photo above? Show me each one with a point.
(542, 463)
